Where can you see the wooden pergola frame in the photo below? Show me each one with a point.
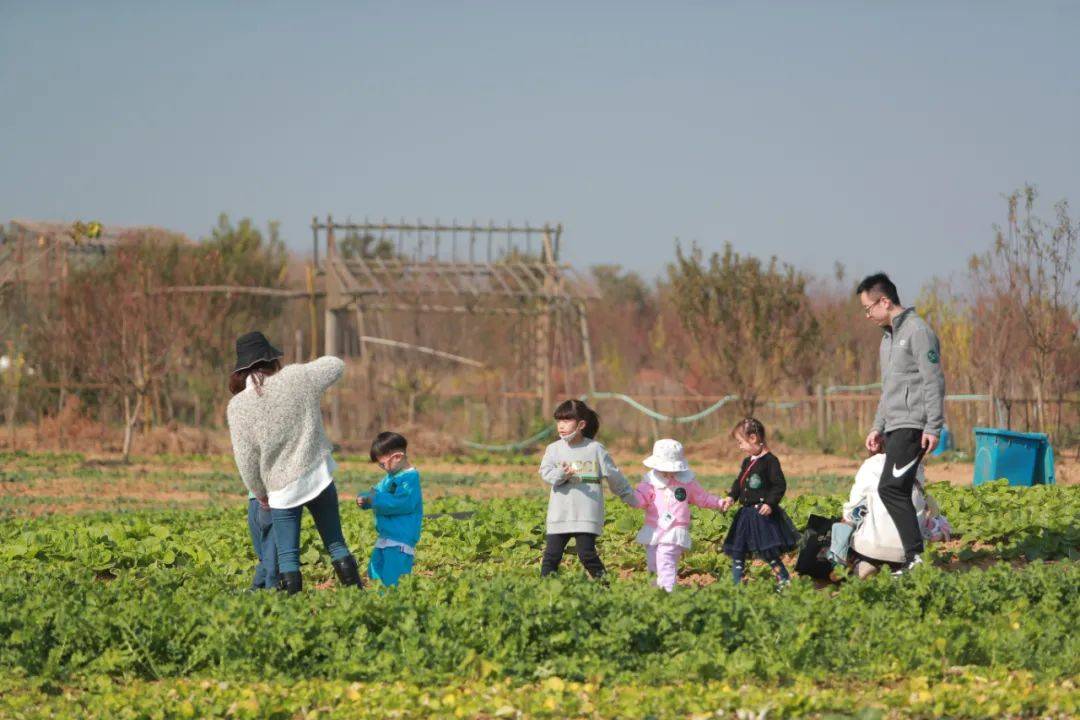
(452, 269)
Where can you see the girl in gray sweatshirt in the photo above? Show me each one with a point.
(575, 466)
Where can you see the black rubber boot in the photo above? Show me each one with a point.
(290, 582)
(348, 574)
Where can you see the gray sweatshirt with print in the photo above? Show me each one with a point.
(912, 382)
(576, 504)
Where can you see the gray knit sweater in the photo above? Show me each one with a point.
(577, 505)
(278, 435)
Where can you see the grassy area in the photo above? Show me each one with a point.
(126, 600)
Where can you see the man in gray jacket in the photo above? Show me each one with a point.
(910, 414)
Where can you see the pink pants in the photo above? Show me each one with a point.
(663, 561)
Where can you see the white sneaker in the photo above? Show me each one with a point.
(914, 563)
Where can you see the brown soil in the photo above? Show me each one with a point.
(80, 435)
(103, 492)
(71, 496)
(72, 432)
(796, 463)
(129, 484)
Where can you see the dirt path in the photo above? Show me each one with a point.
(37, 485)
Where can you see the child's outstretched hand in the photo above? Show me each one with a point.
(363, 501)
(726, 504)
(765, 510)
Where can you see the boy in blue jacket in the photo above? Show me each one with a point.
(399, 509)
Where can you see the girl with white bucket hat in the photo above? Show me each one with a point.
(666, 493)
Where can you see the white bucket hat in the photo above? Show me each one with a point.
(667, 456)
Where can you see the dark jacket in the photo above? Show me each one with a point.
(764, 483)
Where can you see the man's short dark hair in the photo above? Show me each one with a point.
(387, 443)
(881, 284)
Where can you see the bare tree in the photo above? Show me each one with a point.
(124, 334)
(750, 322)
(1036, 258)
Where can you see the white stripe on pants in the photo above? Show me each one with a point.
(663, 561)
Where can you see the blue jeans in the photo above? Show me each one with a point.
(840, 546)
(261, 527)
(324, 510)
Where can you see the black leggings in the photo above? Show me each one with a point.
(586, 552)
(903, 453)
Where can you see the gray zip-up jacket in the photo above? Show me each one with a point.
(912, 383)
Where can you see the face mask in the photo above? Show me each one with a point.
(567, 436)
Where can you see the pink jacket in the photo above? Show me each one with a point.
(667, 518)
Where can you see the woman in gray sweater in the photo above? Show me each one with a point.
(282, 451)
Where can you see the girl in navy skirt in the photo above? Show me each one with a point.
(761, 527)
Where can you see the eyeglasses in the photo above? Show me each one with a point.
(388, 462)
(868, 308)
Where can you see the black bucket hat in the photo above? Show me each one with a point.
(253, 347)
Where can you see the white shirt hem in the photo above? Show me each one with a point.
(388, 543)
(305, 489)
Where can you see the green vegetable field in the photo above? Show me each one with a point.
(142, 612)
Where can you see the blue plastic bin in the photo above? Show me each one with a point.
(1024, 459)
(945, 442)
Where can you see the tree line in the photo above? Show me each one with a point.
(111, 336)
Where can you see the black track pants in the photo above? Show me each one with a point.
(903, 453)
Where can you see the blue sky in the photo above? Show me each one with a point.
(881, 135)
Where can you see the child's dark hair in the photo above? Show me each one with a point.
(747, 427)
(578, 410)
(387, 443)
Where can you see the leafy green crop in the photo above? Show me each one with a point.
(145, 614)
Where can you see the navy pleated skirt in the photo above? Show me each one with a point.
(765, 537)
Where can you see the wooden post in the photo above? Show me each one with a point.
(331, 347)
(367, 369)
(544, 336)
(829, 414)
(505, 407)
(821, 425)
(542, 344)
(53, 258)
(331, 244)
(654, 421)
(586, 345)
(298, 342)
(332, 332)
